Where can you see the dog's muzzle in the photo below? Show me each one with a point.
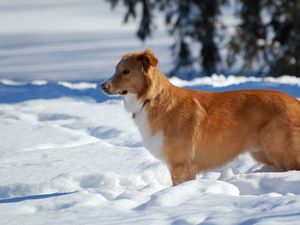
(106, 87)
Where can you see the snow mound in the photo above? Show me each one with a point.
(259, 183)
(174, 196)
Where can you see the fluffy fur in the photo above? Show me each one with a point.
(193, 131)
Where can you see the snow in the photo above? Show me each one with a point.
(215, 80)
(78, 86)
(59, 16)
(71, 155)
(64, 39)
(74, 160)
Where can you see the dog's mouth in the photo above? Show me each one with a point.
(123, 92)
(108, 92)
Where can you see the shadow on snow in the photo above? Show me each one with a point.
(33, 197)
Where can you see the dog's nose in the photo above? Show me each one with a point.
(105, 86)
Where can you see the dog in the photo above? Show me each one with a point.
(193, 131)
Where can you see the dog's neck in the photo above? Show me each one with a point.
(144, 104)
(133, 104)
(158, 90)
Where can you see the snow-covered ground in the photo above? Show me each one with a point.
(77, 158)
(70, 155)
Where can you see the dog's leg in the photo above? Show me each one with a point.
(183, 172)
(260, 157)
(279, 144)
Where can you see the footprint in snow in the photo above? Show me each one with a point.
(103, 132)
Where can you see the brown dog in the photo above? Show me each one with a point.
(193, 131)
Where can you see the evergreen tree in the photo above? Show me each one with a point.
(194, 20)
(190, 21)
(176, 14)
(267, 38)
(249, 41)
(286, 25)
(146, 24)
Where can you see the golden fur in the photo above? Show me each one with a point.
(205, 130)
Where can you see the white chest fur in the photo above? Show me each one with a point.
(153, 142)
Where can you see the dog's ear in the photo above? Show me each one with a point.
(147, 58)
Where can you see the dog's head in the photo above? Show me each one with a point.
(131, 74)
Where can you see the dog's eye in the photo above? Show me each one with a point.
(125, 72)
